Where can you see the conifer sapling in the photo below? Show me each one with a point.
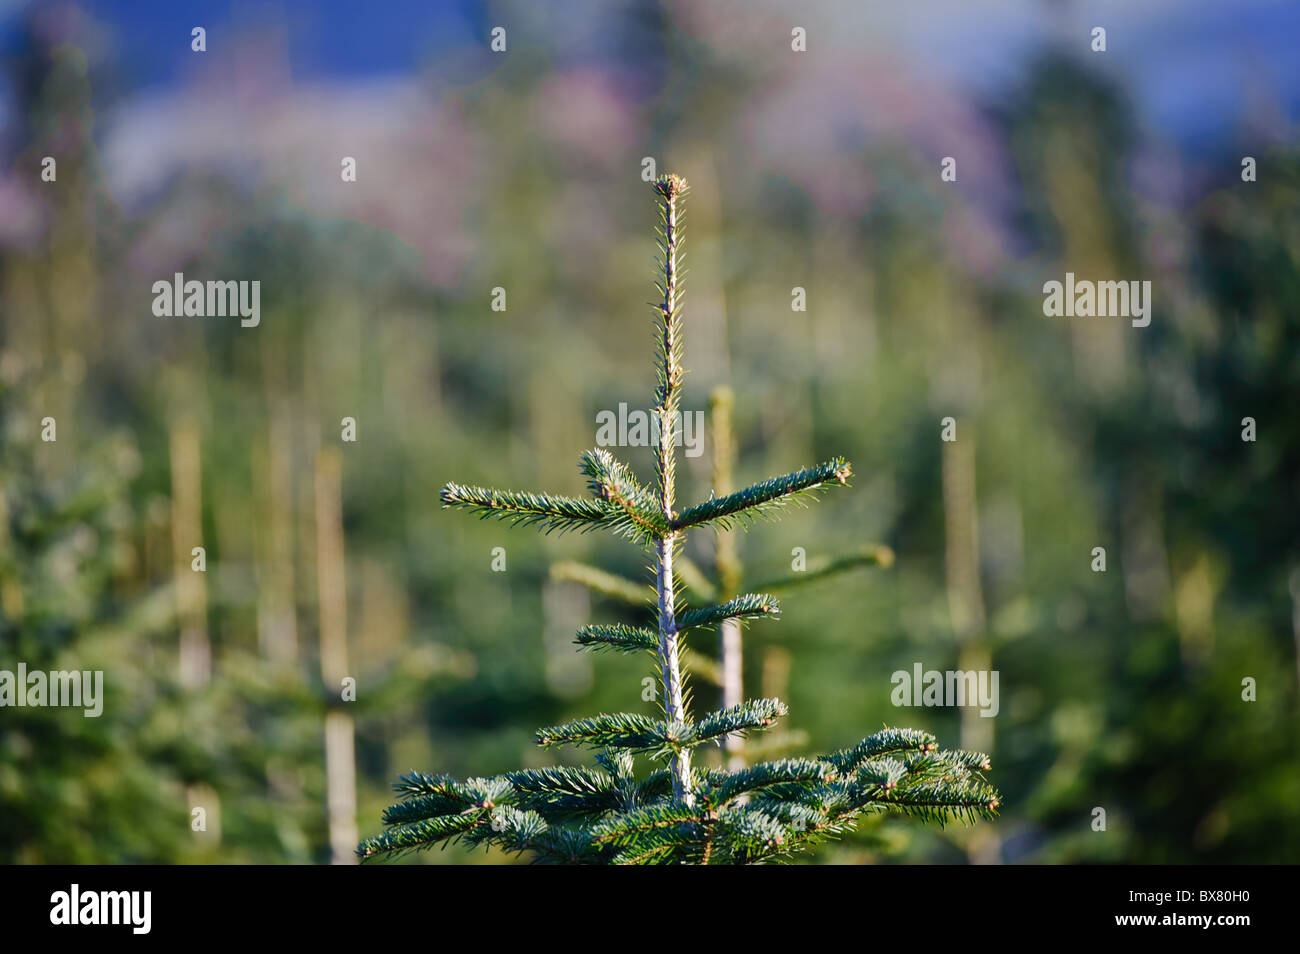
(676, 812)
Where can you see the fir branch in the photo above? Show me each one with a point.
(612, 481)
(765, 499)
(731, 785)
(620, 765)
(947, 766)
(619, 637)
(971, 761)
(566, 789)
(681, 844)
(938, 786)
(521, 507)
(883, 774)
(753, 834)
(883, 742)
(742, 607)
(941, 802)
(421, 834)
(670, 189)
(509, 828)
(422, 807)
(427, 796)
(650, 852)
(658, 784)
(750, 714)
(625, 829)
(567, 845)
(625, 730)
(443, 786)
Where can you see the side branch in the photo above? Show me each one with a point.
(618, 636)
(545, 510)
(742, 607)
(612, 481)
(766, 498)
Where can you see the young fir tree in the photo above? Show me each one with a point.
(725, 582)
(677, 812)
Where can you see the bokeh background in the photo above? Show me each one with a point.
(522, 170)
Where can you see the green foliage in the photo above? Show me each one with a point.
(764, 812)
(544, 510)
(619, 636)
(678, 815)
(749, 606)
(1114, 693)
(768, 498)
(78, 788)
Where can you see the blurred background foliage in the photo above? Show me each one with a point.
(1120, 690)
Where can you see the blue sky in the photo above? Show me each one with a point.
(327, 38)
(1194, 67)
